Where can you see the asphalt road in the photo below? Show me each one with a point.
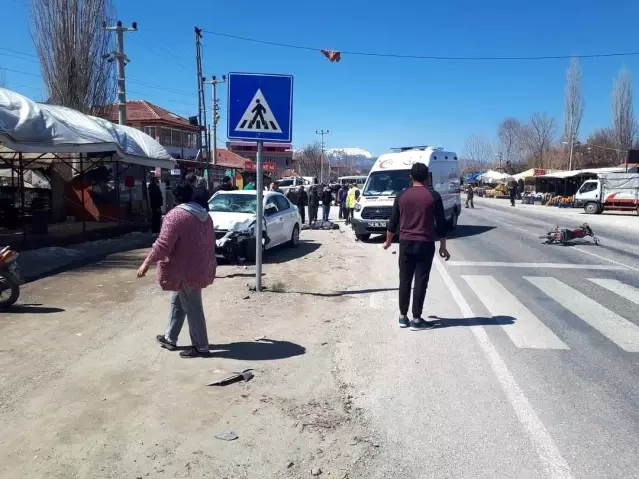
(534, 371)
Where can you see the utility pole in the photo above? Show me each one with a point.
(204, 137)
(322, 133)
(215, 108)
(122, 60)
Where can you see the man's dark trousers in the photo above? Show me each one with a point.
(312, 212)
(415, 261)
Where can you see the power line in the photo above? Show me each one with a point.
(427, 57)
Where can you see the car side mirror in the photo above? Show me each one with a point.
(270, 210)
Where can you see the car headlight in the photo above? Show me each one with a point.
(358, 207)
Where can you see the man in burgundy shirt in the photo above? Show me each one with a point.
(418, 213)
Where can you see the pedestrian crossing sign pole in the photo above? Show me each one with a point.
(260, 109)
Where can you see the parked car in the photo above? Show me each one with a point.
(234, 216)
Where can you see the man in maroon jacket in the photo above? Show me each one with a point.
(418, 213)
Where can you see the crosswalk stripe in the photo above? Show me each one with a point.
(617, 287)
(619, 330)
(527, 331)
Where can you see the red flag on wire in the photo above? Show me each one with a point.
(332, 55)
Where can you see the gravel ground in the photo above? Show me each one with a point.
(86, 392)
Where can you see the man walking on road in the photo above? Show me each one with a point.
(470, 195)
(418, 211)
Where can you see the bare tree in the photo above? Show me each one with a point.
(308, 161)
(624, 125)
(573, 106)
(538, 136)
(599, 151)
(509, 133)
(72, 47)
(478, 152)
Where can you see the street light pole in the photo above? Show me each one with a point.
(322, 133)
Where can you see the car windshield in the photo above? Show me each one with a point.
(233, 203)
(387, 183)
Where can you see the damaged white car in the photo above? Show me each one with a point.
(234, 215)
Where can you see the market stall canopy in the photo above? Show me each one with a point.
(588, 171)
(30, 127)
(531, 173)
(492, 176)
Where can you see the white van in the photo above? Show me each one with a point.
(390, 176)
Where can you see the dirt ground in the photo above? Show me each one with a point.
(85, 391)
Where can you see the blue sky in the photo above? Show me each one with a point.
(371, 102)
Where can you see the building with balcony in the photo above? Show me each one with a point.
(172, 131)
(278, 156)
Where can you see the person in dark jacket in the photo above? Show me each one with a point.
(470, 195)
(156, 200)
(418, 214)
(327, 199)
(302, 202)
(292, 195)
(201, 194)
(512, 192)
(226, 185)
(313, 202)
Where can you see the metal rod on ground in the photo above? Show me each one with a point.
(259, 218)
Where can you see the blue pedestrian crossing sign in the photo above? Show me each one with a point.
(260, 107)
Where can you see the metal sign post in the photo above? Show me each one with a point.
(259, 186)
(260, 108)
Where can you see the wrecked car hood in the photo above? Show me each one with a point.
(231, 221)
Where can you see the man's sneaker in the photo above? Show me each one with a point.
(194, 353)
(403, 322)
(165, 343)
(418, 324)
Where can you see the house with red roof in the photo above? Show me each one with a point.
(173, 132)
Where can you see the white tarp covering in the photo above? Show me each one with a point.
(30, 127)
(492, 176)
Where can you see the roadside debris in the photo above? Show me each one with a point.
(260, 338)
(316, 472)
(226, 436)
(235, 377)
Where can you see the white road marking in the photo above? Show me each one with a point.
(553, 462)
(498, 264)
(619, 330)
(622, 289)
(595, 255)
(527, 331)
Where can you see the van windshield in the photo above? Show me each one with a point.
(387, 183)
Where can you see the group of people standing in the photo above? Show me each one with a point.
(312, 198)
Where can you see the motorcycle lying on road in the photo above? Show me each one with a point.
(565, 235)
(10, 278)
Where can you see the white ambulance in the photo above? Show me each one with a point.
(390, 176)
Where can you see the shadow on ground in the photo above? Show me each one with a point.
(465, 231)
(477, 321)
(263, 350)
(282, 254)
(31, 309)
(334, 294)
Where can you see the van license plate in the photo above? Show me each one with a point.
(378, 224)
